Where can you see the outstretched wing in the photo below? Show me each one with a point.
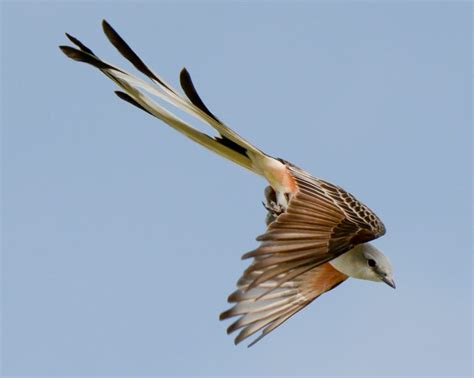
(321, 222)
(269, 304)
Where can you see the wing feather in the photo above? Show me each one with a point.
(267, 312)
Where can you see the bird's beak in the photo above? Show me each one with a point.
(389, 281)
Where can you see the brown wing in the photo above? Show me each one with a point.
(321, 222)
(260, 309)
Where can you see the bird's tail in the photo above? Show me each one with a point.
(136, 92)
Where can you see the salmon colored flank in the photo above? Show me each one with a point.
(277, 173)
(324, 277)
(289, 181)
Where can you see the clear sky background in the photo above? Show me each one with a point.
(122, 239)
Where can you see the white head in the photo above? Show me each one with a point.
(365, 262)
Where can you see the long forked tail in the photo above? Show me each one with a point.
(227, 144)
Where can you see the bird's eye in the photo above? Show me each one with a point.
(371, 262)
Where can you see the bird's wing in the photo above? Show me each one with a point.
(259, 309)
(321, 222)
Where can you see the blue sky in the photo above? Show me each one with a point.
(121, 240)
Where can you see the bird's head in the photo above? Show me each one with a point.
(377, 267)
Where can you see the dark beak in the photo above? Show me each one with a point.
(389, 281)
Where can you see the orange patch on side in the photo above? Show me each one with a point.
(289, 181)
(324, 278)
(285, 179)
(278, 175)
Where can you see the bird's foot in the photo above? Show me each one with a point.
(274, 210)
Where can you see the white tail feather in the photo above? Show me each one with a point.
(137, 91)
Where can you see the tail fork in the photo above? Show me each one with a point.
(136, 92)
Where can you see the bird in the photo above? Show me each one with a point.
(317, 234)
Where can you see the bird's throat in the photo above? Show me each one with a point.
(347, 263)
